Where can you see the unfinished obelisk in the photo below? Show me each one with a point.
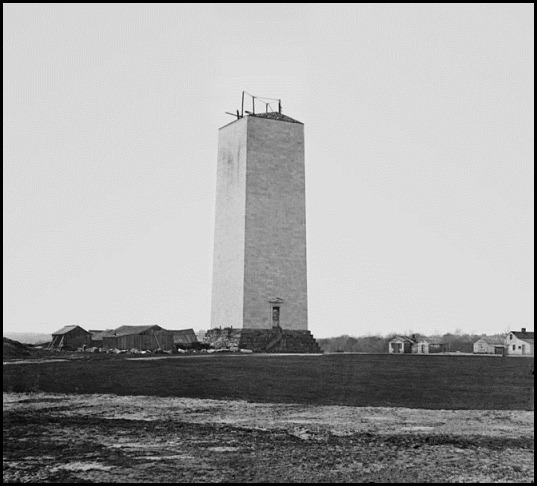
(259, 268)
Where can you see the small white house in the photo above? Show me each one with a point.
(401, 344)
(430, 346)
(520, 343)
(487, 345)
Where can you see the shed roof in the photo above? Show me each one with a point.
(129, 330)
(67, 329)
(491, 340)
(524, 335)
(184, 336)
(405, 339)
(432, 340)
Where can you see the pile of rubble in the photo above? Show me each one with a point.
(227, 342)
(231, 349)
(122, 351)
(223, 341)
(222, 348)
(227, 338)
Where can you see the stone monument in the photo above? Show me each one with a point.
(259, 293)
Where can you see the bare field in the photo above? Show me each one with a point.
(106, 438)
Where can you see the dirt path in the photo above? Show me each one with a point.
(105, 438)
(34, 361)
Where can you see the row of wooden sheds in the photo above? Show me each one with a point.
(148, 338)
(406, 344)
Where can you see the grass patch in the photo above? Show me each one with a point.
(434, 382)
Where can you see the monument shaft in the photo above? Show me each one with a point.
(259, 269)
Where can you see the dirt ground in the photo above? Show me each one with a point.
(106, 438)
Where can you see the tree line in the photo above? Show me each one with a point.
(457, 342)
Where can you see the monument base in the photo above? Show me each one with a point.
(275, 340)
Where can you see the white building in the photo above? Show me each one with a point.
(520, 343)
(487, 345)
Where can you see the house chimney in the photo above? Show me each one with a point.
(523, 329)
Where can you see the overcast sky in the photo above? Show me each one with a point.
(419, 124)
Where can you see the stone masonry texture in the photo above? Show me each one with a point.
(228, 258)
(260, 230)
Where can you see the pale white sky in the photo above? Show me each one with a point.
(419, 124)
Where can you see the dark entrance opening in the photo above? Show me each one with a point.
(276, 316)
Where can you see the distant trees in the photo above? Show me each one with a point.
(348, 344)
(464, 343)
(456, 342)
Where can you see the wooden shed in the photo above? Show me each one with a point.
(139, 337)
(430, 346)
(70, 338)
(184, 338)
(486, 345)
(401, 344)
(97, 336)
